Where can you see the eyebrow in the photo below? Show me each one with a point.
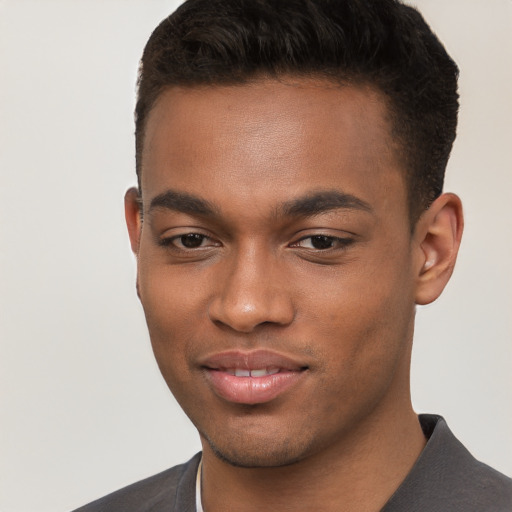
(321, 202)
(306, 206)
(184, 203)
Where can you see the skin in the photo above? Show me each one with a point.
(345, 435)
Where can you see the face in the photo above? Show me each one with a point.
(275, 265)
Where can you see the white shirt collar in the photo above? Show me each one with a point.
(199, 504)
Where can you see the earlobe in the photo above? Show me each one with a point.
(438, 237)
(133, 217)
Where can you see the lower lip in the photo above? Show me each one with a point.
(252, 390)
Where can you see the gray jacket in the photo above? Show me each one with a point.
(445, 478)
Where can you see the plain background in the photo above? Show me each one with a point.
(83, 408)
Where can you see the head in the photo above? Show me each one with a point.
(382, 43)
(284, 150)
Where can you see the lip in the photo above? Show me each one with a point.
(284, 372)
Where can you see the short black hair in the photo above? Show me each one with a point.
(382, 43)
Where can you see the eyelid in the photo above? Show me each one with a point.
(168, 241)
(342, 241)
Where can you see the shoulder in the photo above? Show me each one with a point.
(157, 493)
(447, 477)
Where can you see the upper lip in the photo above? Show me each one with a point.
(251, 360)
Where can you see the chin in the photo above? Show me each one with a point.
(253, 454)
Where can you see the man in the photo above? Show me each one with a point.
(289, 217)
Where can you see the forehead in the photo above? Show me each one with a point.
(271, 138)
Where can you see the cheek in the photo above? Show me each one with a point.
(174, 304)
(170, 294)
(362, 324)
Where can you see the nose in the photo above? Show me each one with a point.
(252, 293)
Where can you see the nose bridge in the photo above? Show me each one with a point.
(251, 293)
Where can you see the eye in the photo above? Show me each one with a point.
(189, 241)
(323, 242)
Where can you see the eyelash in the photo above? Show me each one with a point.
(169, 242)
(342, 243)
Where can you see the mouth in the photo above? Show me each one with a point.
(262, 372)
(252, 377)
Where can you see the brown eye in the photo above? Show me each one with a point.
(191, 240)
(322, 242)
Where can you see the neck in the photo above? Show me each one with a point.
(360, 473)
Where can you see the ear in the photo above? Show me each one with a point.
(437, 235)
(133, 217)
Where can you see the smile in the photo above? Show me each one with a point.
(240, 372)
(252, 378)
